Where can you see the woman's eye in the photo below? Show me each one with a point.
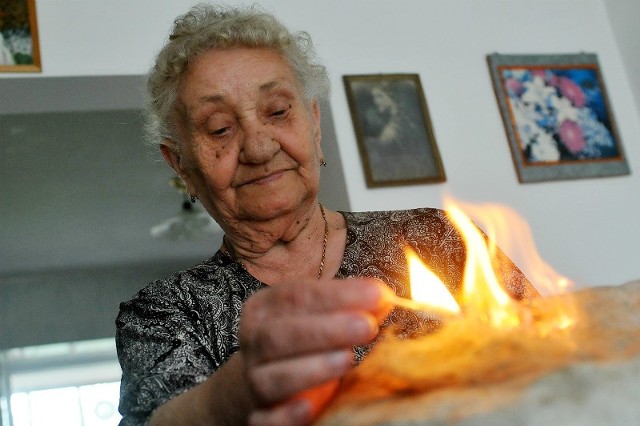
(279, 112)
(220, 132)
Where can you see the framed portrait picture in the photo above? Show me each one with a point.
(19, 46)
(557, 116)
(393, 130)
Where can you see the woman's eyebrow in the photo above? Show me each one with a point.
(268, 86)
(210, 99)
(282, 83)
(218, 98)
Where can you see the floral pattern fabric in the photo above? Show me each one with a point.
(176, 332)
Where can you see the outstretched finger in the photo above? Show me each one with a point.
(279, 381)
(265, 342)
(320, 296)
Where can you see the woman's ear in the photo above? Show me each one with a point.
(315, 109)
(169, 150)
(171, 155)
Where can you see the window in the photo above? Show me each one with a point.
(76, 383)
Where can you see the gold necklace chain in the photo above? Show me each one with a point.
(324, 241)
(232, 253)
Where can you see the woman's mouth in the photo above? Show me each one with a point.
(266, 179)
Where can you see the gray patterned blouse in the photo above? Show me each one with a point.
(176, 332)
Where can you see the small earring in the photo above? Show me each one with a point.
(323, 163)
(193, 198)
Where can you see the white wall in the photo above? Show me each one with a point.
(623, 15)
(587, 229)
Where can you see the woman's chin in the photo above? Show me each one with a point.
(274, 207)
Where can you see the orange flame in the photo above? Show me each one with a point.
(512, 233)
(482, 296)
(482, 293)
(427, 289)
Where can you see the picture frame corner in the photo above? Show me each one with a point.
(14, 61)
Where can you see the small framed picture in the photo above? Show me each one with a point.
(393, 129)
(557, 116)
(19, 46)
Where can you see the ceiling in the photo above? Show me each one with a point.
(79, 187)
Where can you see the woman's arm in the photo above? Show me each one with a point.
(222, 399)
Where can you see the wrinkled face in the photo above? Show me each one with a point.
(250, 143)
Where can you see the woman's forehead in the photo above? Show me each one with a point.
(235, 80)
(237, 71)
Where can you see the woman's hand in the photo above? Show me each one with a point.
(296, 341)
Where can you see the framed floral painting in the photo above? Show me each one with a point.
(557, 116)
(393, 130)
(19, 46)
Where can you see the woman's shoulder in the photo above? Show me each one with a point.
(189, 277)
(391, 228)
(217, 277)
(391, 217)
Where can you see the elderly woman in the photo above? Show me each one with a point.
(262, 331)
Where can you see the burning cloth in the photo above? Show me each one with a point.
(585, 373)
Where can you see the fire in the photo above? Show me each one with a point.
(482, 297)
(486, 340)
(427, 289)
(488, 347)
(482, 293)
(513, 234)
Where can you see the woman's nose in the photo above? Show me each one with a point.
(258, 146)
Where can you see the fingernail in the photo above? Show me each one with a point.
(340, 360)
(362, 327)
